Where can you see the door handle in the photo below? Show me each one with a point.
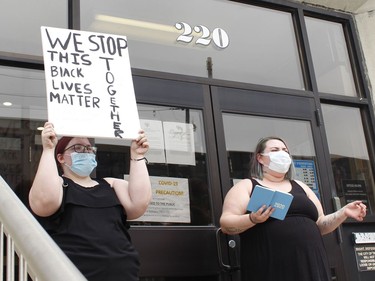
(232, 245)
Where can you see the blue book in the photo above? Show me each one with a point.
(279, 200)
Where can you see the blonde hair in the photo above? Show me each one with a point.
(256, 169)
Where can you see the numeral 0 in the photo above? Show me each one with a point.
(219, 36)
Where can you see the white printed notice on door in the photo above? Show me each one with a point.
(179, 143)
(89, 84)
(170, 201)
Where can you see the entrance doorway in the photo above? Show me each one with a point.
(243, 117)
(202, 138)
(217, 130)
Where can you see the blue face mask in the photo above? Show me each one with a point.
(82, 163)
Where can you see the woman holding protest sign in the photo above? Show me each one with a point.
(87, 217)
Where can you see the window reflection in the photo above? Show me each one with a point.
(177, 165)
(260, 43)
(330, 57)
(23, 108)
(25, 92)
(240, 150)
(349, 155)
(178, 153)
(20, 23)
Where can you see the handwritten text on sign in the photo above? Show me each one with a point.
(89, 84)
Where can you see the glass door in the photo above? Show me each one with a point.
(176, 237)
(243, 117)
(202, 139)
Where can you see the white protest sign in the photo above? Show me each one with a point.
(89, 84)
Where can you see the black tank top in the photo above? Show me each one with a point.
(301, 204)
(91, 228)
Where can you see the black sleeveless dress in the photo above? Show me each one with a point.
(90, 228)
(288, 250)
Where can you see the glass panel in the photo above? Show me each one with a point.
(22, 94)
(349, 155)
(177, 160)
(257, 46)
(330, 56)
(18, 162)
(177, 165)
(240, 150)
(26, 17)
(23, 105)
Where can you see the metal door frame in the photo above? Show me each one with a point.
(281, 105)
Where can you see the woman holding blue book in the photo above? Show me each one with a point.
(289, 249)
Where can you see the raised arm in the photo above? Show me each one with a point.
(135, 194)
(355, 210)
(45, 195)
(328, 223)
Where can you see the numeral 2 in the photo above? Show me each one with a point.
(219, 36)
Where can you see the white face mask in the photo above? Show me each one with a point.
(279, 161)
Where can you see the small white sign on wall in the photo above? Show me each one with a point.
(89, 84)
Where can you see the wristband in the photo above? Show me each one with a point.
(140, 159)
(251, 219)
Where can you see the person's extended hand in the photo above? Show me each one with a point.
(355, 210)
(261, 215)
(140, 145)
(49, 138)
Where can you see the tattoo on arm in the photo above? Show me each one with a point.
(329, 220)
(332, 221)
